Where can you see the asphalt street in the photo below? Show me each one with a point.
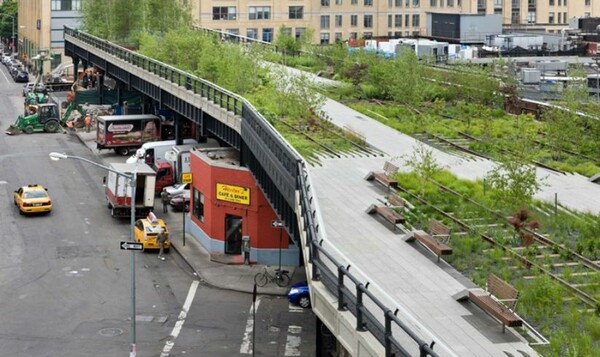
(65, 286)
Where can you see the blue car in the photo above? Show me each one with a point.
(299, 294)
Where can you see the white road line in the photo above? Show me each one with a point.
(292, 345)
(294, 308)
(180, 321)
(246, 346)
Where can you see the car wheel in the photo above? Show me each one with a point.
(304, 301)
(123, 151)
(28, 129)
(21, 212)
(51, 126)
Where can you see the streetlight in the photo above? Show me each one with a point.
(12, 17)
(278, 224)
(132, 183)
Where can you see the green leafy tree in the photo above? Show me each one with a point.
(514, 180)
(285, 42)
(8, 14)
(423, 163)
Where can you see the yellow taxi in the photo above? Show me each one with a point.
(146, 232)
(33, 199)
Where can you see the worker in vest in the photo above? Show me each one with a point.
(88, 123)
(70, 126)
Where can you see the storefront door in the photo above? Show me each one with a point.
(233, 234)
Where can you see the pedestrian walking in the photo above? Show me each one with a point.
(165, 200)
(161, 239)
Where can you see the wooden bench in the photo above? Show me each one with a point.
(439, 231)
(437, 247)
(499, 301)
(387, 213)
(385, 177)
(396, 201)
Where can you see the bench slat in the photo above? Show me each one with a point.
(499, 302)
(492, 307)
(437, 247)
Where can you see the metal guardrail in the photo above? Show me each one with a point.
(352, 294)
(220, 96)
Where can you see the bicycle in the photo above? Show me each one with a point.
(280, 277)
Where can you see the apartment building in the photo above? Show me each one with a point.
(41, 24)
(334, 20)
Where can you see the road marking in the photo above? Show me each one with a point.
(292, 345)
(180, 320)
(294, 308)
(246, 347)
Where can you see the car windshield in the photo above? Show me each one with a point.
(179, 186)
(35, 194)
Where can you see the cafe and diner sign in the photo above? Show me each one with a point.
(235, 194)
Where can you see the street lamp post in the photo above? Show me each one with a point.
(278, 224)
(132, 183)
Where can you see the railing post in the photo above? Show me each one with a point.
(387, 344)
(360, 324)
(340, 292)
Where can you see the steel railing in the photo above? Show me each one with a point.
(351, 293)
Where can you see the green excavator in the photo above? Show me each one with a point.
(42, 117)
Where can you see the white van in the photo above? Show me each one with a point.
(155, 151)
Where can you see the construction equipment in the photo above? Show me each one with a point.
(42, 117)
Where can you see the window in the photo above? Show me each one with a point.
(433, 3)
(565, 17)
(498, 4)
(368, 2)
(296, 12)
(353, 20)
(406, 20)
(300, 31)
(559, 2)
(550, 17)
(338, 2)
(416, 3)
(398, 3)
(397, 20)
(407, 3)
(259, 13)
(368, 21)
(354, 2)
(267, 35)
(416, 20)
(224, 13)
(368, 35)
(324, 38)
(531, 4)
(66, 5)
(390, 3)
(198, 205)
(587, 14)
(252, 33)
(338, 20)
(450, 3)
(338, 37)
(565, 2)
(559, 18)
(324, 21)
(551, 2)
(531, 17)
(588, 3)
(325, 3)
(353, 35)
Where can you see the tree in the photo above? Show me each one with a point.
(423, 163)
(285, 42)
(8, 15)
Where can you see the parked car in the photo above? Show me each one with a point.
(146, 232)
(299, 294)
(177, 189)
(181, 202)
(39, 88)
(21, 76)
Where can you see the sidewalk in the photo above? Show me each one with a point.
(235, 277)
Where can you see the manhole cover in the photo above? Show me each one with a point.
(111, 331)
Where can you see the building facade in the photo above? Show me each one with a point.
(41, 25)
(333, 20)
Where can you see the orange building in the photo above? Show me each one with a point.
(227, 205)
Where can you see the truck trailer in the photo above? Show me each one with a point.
(118, 189)
(127, 133)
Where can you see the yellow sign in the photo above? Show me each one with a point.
(235, 194)
(186, 177)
